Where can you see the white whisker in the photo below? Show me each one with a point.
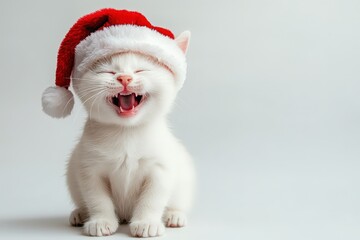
(92, 96)
(97, 95)
(80, 93)
(90, 79)
(69, 101)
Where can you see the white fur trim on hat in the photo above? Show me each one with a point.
(131, 38)
(57, 102)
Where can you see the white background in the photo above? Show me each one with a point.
(270, 111)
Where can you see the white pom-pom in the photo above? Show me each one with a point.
(57, 102)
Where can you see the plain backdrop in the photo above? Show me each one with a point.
(270, 111)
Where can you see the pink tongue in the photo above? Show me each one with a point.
(127, 102)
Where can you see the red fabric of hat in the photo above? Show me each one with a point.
(88, 24)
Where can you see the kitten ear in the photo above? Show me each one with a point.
(183, 41)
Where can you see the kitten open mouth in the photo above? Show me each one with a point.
(127, 104)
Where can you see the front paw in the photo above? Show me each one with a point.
(100, 227)
(174, 219)
(77, 217)
(147, 228)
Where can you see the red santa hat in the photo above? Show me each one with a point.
(104, 33)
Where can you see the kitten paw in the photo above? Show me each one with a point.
(147, 229)
(174, 218)
(100, 227)
(77, 217)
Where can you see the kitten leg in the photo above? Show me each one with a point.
(146, 220)
(181, 197)
(179, 203)
(102, 218)
(79, 215)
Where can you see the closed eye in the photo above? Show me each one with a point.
(108, 72)
(141, 70)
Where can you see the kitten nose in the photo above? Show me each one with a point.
(124, 79)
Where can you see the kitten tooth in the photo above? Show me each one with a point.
(132, 108)
(121, 110)
(136, 95)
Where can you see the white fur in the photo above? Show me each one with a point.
(129, 169)
(57, 102)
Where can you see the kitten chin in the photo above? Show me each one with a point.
(127, 166)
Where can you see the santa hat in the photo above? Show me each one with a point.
(104, 33)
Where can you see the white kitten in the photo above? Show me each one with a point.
(128, 166)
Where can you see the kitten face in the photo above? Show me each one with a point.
(127, 89)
